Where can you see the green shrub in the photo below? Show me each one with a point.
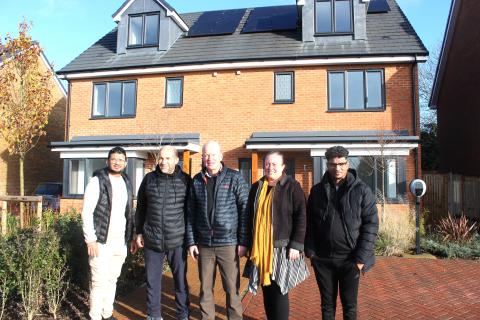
(435, 245)
(7, 284)
(28, 264)
(68, 226)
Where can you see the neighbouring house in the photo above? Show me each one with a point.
(455, 93)
(41, 165)
(297, 78)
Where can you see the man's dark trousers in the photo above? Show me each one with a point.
(154, 266)
(332, 274)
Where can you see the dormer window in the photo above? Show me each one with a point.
(143, 30)
(333, 16)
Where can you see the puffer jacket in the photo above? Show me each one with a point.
(228, 225)
(359, 214)
(101, 214)
(161, 204)
(288, 212)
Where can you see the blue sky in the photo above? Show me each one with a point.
(65, 28)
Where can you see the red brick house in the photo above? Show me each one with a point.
(296, 78)
(455, 92)
(40, 165)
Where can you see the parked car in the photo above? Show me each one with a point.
(51, 193)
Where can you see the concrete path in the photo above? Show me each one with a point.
(396, 288)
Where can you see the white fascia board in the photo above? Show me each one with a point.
(355, 149)
(101, 152)
(177, 19)
(242, 65)
(119, 14)
(55, 77)
(169, 12)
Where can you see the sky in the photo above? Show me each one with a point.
(66, 28)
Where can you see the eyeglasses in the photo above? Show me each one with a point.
(117, 160)
(334, 165)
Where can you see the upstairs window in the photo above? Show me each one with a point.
(284, 87)
(333, 16)
(114, 99)
(174, 92)
(356, 90)
(143, 30)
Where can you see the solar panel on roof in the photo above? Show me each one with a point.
(378, 6)
(271, 19)
(216, 23)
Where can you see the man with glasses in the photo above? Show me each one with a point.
(342, 225)
(107, 227)
(216, 232)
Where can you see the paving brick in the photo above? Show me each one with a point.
(396, 288)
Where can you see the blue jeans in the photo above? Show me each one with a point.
(177, 260)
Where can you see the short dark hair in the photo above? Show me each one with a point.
(118, 150)
(336, 152)
(276, 153)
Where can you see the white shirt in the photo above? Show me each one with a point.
(116, 229)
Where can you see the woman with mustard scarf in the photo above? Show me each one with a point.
(277, 212)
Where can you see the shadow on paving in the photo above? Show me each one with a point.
(133, 305)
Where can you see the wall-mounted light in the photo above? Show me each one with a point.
(214, 74)
(238, 72)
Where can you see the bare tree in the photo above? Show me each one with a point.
(426, 77)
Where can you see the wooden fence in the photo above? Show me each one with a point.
(27, 209)
(451, 193)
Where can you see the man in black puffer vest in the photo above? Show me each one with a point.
(107, 226)
(160, 227)
(217, 229)
(342, 224)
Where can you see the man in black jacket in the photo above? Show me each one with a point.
(342, 224)
(160, 228)
(217, 229)
(107, 227)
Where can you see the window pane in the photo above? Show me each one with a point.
(290, 167)
(76, 177)
(135, 29)
(93, 165)
(323, 16)
(245, 168)
(336, 90)
(99, 92)
(365, 167)
(374, 89)
(343, 16)
(391, 176)
(174, 91)
(283, 87)
(151, 29)
(355, 91)
(129, 93)
(114, 99)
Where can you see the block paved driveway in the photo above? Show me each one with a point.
(396, 288)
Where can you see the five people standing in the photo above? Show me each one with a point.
(217, 221)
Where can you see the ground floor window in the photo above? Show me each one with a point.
(77, 173)
(386, 176)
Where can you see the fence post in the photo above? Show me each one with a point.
(39, 214)
(4, 217)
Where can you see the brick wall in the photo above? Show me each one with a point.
(229, 107)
